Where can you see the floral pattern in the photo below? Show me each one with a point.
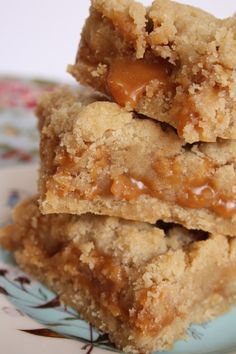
(18, 134)
(16, 93)
(34, 300)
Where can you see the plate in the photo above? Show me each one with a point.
(31, 316)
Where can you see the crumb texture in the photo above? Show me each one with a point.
(99, 158)
(198, 96)
(142, 285)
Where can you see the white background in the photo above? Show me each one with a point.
(40, 37)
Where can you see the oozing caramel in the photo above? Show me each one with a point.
(128, 188)
(185, 110)
(197, 194)
(59, 182)
(167, 180)
(169, 170)
(186, 114)
(101, 181)
(225, 207)
(54, 186)
(189, 192)
(65, 163)
(127, 79)
(112, 281)
(105, 281)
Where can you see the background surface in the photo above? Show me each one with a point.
(40, 37)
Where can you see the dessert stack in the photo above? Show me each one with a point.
(135, 220)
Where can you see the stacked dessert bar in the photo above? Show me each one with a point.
(136, 217)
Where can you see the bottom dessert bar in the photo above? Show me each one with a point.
(140, 284)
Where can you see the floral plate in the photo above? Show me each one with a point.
(33, 316)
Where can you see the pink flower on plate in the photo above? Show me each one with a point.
(22, 156)
(19, 93)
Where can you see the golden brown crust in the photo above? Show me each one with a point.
(157, 283)
(202, 50)
(129, 17)
(102, 159)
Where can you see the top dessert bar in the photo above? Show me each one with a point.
(102, 159)
(172, 62)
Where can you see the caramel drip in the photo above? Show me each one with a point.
(101, 181)
(59, 183)
(225, 207)
(202, 194)
(166, 181)
(127, 79)
(192, 193)
(186, 115)
(169, 170)
(185, 111)
(65, 163)
(101, 187)
(128, 188)
(106, 281)
(197, 194)
(143, 320)
(112, 281)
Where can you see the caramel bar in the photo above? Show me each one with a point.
(142, 285)
(171, 62)
(101, 159)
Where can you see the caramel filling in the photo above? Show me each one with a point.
(186, 114)
(204, 195)
(197, 194)
(185, 111)
(60, 183)
(65, 162)
(107, 281)
(127, 79)
(143, 320)
(166, 181)
(189, 192)
(128, 188)
(225, 207)
(59, 187)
